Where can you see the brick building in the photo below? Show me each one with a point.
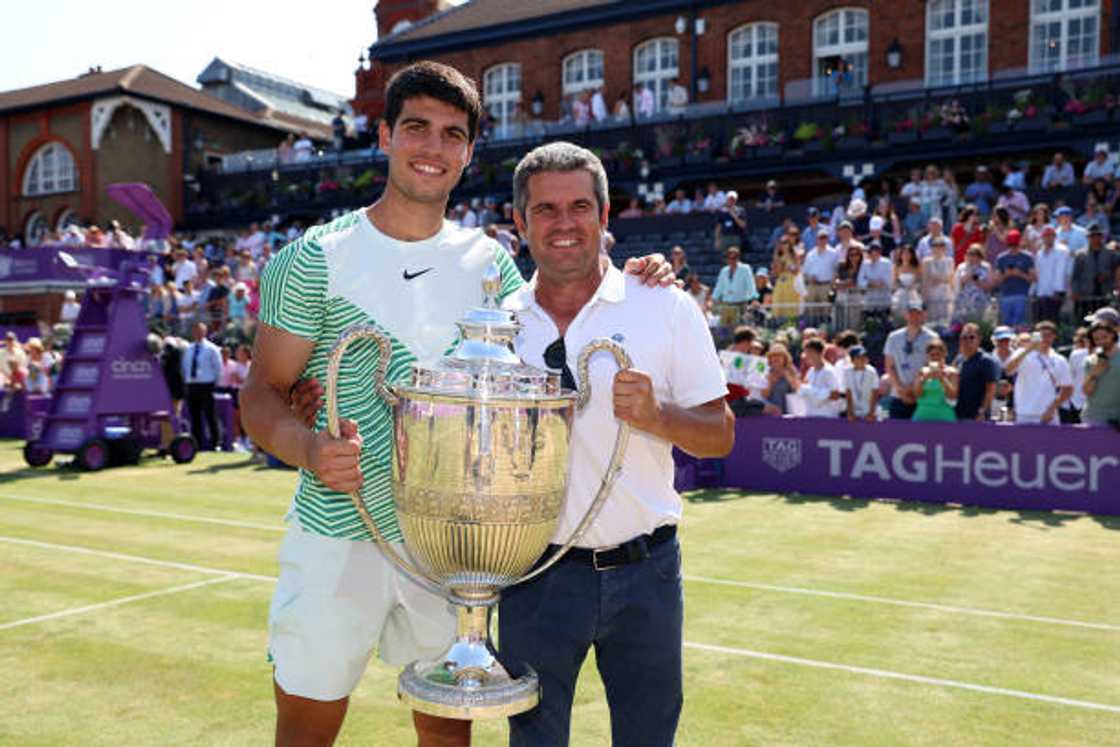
(529, 56)
(62, 143)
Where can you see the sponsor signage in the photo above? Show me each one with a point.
(1027, 467)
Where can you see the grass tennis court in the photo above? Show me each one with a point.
(134, 608)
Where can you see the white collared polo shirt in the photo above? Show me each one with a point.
(666, 336)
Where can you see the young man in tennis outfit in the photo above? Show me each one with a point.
(619, 590)
(400, 266)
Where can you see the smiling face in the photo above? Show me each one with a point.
(563, 223)
(428, 148)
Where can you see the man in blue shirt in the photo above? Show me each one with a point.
(978, 375)
(1015, 273)
(981, 192)
(202, 367)
(735, 288)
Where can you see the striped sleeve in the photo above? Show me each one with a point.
(511, 276)
(294, 289)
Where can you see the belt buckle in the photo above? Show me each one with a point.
(595, 558)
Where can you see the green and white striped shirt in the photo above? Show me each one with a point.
(346, 273)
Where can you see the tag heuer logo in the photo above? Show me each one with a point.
(783, 454)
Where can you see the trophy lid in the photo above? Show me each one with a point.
(482, 364)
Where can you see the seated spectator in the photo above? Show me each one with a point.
(38, 367)
(906, 281)
(1058, 175)
(1069, 233)
(634, 210)
(782, 380)
(933, 193)
(980, 194)
(911, 190)
(1014, 174)
(821, 389)
(1102, 370)
(680, 204)
(978, 375)
(813, 223)
(937, 282)
(935, 386)
(621, 111)
(762, 285)
(936, 230)
(770, 199)
(973, 285)
(1015, 202)
(1038, 220)
(914, 223)
(70, 308)
(238, 307)
(715, 199)
(860, 224)
(11, 351)
(1043, 381)
(679, 261)
(1100, 167)
(699, 292)
(966, 232)
(888, 242)
(861, 386)
(904, 356)
(1015, 271)
(1094, 216)
(302, 149)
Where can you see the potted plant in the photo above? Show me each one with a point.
(932, 128)
(903, 132)
(699, 151)
(852, 135)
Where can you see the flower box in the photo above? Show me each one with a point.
(937, 133)
(853, 142)
(1033, 124)
(902, 138)
(697, 158)
(768, 151)
(1095, 117)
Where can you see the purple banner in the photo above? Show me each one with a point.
(41, 264)
(19, 411)
(1023, 467)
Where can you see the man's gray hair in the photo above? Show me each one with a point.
(558, 156)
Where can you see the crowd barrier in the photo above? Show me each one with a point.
(1005, 466)
(18, 410)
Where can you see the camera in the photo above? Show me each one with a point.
(1036, 337)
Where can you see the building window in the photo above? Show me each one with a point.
(1065, 34)
(583, 71)
(36, 229)
(502, 97)
(656, 65)
(956, 42)
(752, 62)
(49, 171)
(840, 52)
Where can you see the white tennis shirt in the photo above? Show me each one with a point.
(666, 336)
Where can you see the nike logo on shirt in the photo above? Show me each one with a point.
(413, 275)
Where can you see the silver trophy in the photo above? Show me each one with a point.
(479, 475)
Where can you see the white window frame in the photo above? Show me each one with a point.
(658, 78)
(501, 85)
(35, 228)
(846, 49)
(963, 29)
(51, 170)
(1070, 13)
(762, 32)
(584, 64)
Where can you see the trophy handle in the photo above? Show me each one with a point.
(334, 364)
(622, 438)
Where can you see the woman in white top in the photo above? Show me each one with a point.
(937, 283)
(907, 279)
(973, 280)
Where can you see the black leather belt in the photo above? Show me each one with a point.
(632, 551)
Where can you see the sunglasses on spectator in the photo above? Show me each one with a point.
(968, 337)
(556, 358)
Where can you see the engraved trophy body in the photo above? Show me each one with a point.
(479, 477)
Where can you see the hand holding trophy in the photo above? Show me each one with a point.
(479, 478)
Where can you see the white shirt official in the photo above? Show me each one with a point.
(666, 336)
(1037, 380)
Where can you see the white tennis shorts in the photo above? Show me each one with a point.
(336, 601)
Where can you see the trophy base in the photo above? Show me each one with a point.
(468, 682)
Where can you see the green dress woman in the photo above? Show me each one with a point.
(935, 385)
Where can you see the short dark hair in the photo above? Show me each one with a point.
(743, 333)
(438, 81)
(1047, 327)
(847, 339)
(815, 344)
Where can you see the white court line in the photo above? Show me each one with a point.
(144, 512)
(902, 603)
(689, 644)
(900, 676)
(133, 558)
(695, 579)
(116, 602)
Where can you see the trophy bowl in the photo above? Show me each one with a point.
(479, 479)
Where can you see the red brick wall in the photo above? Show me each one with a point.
(540, 58)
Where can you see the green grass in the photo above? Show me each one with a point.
(189, 667)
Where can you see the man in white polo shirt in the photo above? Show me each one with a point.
(619, 590)
(1044, 380)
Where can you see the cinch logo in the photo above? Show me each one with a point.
(782, 454)
(122, 368)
